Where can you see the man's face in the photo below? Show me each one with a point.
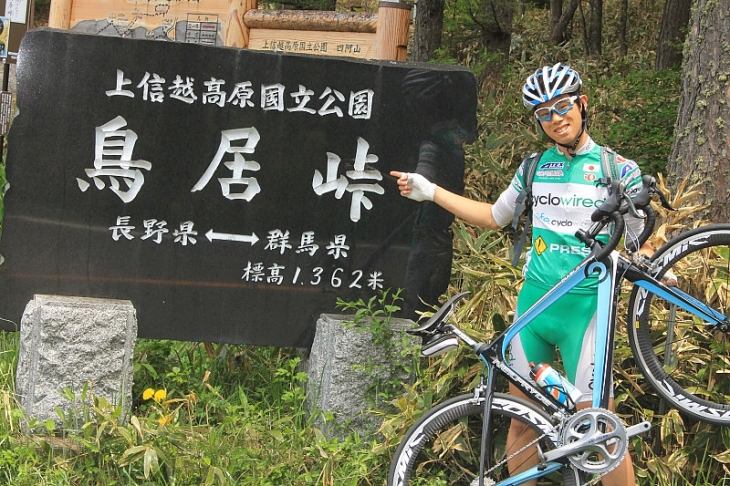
(563, 128)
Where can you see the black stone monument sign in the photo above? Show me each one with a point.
(231, 195)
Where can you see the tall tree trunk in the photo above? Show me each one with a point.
(556, 10)
(428, 27)
(558, 33)
(497, 26)
(622, 21)
(672, 34)
(595, 28)
(701, 149)
(496, 37)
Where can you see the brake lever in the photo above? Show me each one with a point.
(647, 192)
(631, 207)
(648, 189)
(665, 202)
(611, 204)
(643, 198)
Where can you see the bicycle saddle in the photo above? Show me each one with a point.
(431, 326)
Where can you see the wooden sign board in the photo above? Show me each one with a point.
(210, 22)
(348, 44)
(230, 23)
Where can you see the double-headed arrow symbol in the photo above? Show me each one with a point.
(212, 235)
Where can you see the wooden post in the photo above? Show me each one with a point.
(59, 16)
(239, 36)
(391, 38)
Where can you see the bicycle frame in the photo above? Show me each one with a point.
(607, 272)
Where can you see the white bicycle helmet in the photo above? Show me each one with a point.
(550, 82)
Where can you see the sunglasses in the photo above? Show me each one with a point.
(561, 107)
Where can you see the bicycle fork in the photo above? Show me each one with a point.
(486, 444)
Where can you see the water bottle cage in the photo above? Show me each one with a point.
(568, 404)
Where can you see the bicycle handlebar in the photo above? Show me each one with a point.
(619, 203)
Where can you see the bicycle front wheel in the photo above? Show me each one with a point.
(684, 358)
(443, 447)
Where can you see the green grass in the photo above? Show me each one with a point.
(229, 415)
(235, 415)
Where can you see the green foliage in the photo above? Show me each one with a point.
(632, 108)
(236, 418)
(375, 315)
(638, 110)
(397, 356)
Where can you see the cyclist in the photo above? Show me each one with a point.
(565, 194)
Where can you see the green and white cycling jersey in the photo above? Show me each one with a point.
(564, 195)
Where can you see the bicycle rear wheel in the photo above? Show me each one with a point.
(443, 447)
(683, 358)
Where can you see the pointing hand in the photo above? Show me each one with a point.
(414, 186)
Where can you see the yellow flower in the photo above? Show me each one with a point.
(147, 394)
(164, 420)
(160, 395)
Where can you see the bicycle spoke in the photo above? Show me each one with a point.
(445, 448)
(685, 359)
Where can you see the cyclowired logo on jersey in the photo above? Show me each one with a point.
(574, 201)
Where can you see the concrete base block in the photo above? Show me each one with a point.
(73, 343)
(344, 366)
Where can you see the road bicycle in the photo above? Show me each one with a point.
(677, 332)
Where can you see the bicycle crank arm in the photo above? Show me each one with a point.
(587, 442)
(637, 429)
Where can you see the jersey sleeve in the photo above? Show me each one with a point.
(503, 210)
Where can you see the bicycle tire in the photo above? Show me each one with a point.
(682, 359)
(442, 447)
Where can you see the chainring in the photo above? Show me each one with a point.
(600, 457)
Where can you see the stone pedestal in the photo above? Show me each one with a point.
(345, 367)
(76, 347)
